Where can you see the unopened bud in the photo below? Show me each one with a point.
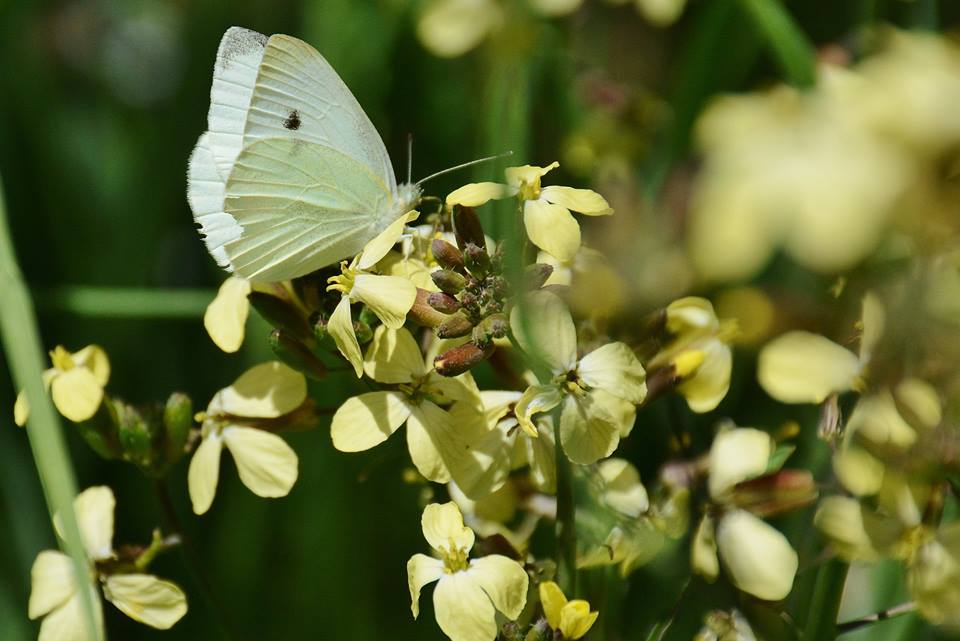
(536, 275)
(423, 313)
(446, 255)
(282, 315)
(363, 331)
(100, 432)
(776, 493)
(467, 227)
(295, 354)
(476, 259)
(491, 327)
(177, 422)
(444, 303)
(459, 359)
(455, 326)
(135, 433)
(449, 281)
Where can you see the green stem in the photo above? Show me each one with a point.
(883, 615)
(790, 46)
(821, 624)
(21, 342)
(566, 523)
(125, 302)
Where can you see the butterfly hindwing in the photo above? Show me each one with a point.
(302, 206)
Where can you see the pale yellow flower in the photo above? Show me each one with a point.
(265, 463)
(389, 297)
(54, 594)
(226, 316)
(75, 382)
(450, 28)
(700, 352)
(622, 489)
(596, 288)
(800, 367)
(572, 619)
(496, 514)
(469, 592)
(598, 392)
(662, 13)
(367, 420)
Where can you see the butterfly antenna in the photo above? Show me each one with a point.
(409, 157)
(464, 165)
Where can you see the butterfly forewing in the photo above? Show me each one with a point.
(302, 206)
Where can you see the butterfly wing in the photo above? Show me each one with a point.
(302, 205)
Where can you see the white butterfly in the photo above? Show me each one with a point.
(291, 175)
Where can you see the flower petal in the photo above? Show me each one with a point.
(443, 528)
(267, 465)
(147, 599)
(67, 623)
(552, 599)
(268, 390)
(421, 570)
(464, 611)
(486, 458)
(340, 327)
(504, 580)
(583, 201)
(552, 228)
(843, 520)
(367, 420)
(433, 441)
(77, 394)
(21, 409)
(93, 358)
(576, 619)
(393, 357)
(476, 194)
(703, 550)
(614, 368)
(536, 399)
(528, 174)
(800, 367)
(737, 455)
(94, 509)
(385, 240)
(51, 582)
(934, 578)
(588, 431)
(389, 297)
(204, 473)
(710, 382)
(759, 558)
(543, 326)
(623, 490)
(226, 317)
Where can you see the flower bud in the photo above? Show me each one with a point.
(363, 331)
(536, 275)
(459, 359)
(776, 493)
(444, 303)
(476, 259)
(491, 327)
(282, 315)
(423, 313)
(449, 281)
(135, 433)
(100, 432)
(455, 326)
(446, 255)
(467, 227)
(295, 354)
(177, 422)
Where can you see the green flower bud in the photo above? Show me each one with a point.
(536, 275)
(491, 327)
(177, 422)
(446, 255)
(476, 259)
(136, 434)
(295, 354)
(282, 315)
(444, 303)
(100, 432)
(455, 326)
(448, 281)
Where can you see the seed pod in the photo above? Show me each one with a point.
(423, 313)
(281, 314)
(449, 281)
(446, 255)
(459, 359)
(295, 354)
(467, 227)
(177, 422)
(536, 275)
(476, 259)
(444, 303)
(455, 326)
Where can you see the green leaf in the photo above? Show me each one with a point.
(789, 45)
(779, 457)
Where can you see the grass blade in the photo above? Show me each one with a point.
(790, 46)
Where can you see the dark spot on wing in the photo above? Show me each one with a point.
(292, 121)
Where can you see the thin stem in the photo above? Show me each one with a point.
(566, 523)
(870, 619)
(821, 624)
(21, 343)
(194, 564)
(659, 631)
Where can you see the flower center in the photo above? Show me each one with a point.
(454, 558)
(530, 190)
(61, 359)
(344, 282)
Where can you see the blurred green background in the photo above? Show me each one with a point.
(101, 105)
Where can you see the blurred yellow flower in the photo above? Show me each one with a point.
(265, 463)
(572, 619)
(226, 316)
(598, 392)
(54, 593)
(75, 382)
(450, 28)
(367, 420)
(469, 592)
(596, 288)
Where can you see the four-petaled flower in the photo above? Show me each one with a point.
(75, 381)
(572, 619)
